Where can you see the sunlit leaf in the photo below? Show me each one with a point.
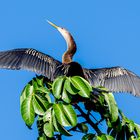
(131, 126)
(60, 115)
(132, 138)
(82, 85)
(48, 126)
(48, 129)
(65, 114)
(48, 115)
(43, 137)
(57, 87)
(66, 97)
(28, 90)
(27, 111)
(40, 104)
(98, 138)
(137, 129)
(39, 81)
(48, 98)
(69, 87)
(113, 109)
(43, 90)
(106, 137)
(59, 127)
(35, 85)
(70, 114)
(55, 122)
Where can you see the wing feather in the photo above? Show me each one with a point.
(116, 79)
(30, 59)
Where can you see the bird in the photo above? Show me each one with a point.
(115, 79)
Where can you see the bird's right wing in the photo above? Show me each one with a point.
(29, 59)
(116, 79)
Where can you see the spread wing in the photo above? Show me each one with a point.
(30, 59)
(116, 79)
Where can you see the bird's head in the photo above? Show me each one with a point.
(64, 32)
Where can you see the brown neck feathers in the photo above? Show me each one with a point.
(71, 49)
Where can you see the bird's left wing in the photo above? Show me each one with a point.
(116, 79)
(30, 59)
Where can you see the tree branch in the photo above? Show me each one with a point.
(86, 116)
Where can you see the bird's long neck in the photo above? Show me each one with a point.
(71, 49)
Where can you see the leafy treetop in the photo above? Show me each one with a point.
(57, 107)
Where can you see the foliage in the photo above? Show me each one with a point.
(57, 109)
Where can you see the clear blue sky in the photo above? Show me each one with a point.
(107, 33)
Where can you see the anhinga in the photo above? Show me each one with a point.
(116, 79)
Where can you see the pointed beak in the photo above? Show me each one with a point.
(55, 26)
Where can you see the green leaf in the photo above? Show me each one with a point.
(43, 137)
(62, 130)
(70, 114)
(35, 85)
(113, 109)
(82, 85)
(55, 122)
(48, 129)
(40, 104)
(102, 137)
(57, 87)
(60, 115)
(43, 90)
(40, 138)
(48, 98)
(39, 81)
(59, 127)
(69, 87)
(107, 137)
(48, 126)
(27, 111)
(131, 126)
(132, 138)
(66, 97)
(109, 124)
(65, 114)
(137, 129)
(48, 115)
(28, 90)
